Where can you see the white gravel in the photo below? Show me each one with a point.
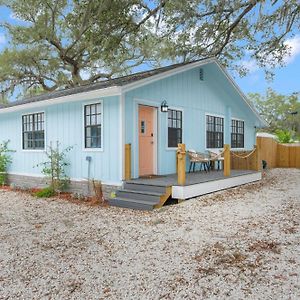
(243, 243)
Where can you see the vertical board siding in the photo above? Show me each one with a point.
(214, 95)
(64, 123)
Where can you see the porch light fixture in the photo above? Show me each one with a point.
(164, 106)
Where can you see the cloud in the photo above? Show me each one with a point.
(294, 48)
(2, 39)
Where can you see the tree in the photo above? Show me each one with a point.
(64, 43)
(280, 111)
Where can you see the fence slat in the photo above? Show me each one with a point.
(279, 155)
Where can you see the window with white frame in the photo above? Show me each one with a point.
(237, 133)
(33, 131)
(92, 126)
(174, 128)
(214, 132)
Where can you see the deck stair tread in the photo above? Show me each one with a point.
(137, 201)
(141, 192)
(140, 196)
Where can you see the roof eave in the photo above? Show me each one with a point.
(111, 91)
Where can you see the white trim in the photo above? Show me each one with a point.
(195, 190)
(237, 119)
(111, 91)
(205, 131)
(101, 149)
(167, 126)
(122, 136)
(176, 70)
(45, 133)
(136, 103)
(155, 129)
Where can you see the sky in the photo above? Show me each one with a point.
(286, 80)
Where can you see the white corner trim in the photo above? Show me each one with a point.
(122, 136)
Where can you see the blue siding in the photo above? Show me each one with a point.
(214, 95)
(64, 123)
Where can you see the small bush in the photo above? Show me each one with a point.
(5, 161)
(284, 136)
(55, 167)
(45, 193)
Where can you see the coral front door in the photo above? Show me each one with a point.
(147, 135)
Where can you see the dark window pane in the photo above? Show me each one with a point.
(214, 132)
(93, 125)
(174, 127)
(33, 131)
(237, 134)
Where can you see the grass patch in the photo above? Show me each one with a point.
(45, 193)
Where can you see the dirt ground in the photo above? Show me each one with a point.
(243, 243)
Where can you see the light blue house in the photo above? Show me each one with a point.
(204, 109)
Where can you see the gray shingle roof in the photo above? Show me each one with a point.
(120, 81)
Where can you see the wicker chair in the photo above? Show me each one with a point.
(215, 157)
(199, 158)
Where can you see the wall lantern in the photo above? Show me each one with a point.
(164, 106)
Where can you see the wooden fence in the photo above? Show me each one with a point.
(279, 155)
(245, 160)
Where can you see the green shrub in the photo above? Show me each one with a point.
(55, 167)
(5, 161)
(284, 136)
(45, 193)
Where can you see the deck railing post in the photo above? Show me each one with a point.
(226, 160)
(181, 164)
(127, 161)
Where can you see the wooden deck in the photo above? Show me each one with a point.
(149, 193)
(191, 178)
(200, 183)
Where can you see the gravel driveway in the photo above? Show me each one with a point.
(242, 243)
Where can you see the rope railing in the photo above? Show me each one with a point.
(243, 157)
(221, 153)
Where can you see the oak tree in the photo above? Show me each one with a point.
(54, 44)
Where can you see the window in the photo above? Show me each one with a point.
(237, 134)
(92, 125)
(214, 132)
(174, 128)
(33, 132)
